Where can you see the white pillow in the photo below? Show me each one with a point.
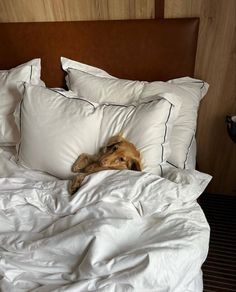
(10, 95)
(105, 88)
(55, 129)
(96, 85)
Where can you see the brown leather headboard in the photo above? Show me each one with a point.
(133, 49)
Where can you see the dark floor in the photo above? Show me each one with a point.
(219, 270)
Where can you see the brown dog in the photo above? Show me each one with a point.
(117, 154)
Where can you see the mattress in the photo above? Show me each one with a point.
(122, 231)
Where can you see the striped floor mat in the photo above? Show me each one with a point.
(219, 270)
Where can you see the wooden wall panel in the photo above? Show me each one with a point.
(182, 8)
(215, 63)
(70, 10)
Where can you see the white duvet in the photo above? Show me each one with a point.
(122, 231)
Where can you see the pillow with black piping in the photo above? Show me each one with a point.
(10, 95)
(56, 129)
(98, 86)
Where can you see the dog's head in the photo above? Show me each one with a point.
(120, 154)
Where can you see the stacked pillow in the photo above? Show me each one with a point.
(57, 125)
(97, 85)
(10, 95)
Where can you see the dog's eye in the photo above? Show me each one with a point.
(121, 159)
(114, 148)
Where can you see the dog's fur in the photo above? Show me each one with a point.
(117, 154)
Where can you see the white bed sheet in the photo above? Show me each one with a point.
(10, 149)
(122, 231)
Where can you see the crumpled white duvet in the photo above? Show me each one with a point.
(122, 231)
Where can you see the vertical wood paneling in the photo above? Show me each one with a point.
(72, 10)
(215, 63)
(182, 8)
(159, 8)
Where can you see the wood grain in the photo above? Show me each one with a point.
(70, 10)
(215, 63)
(182, 8)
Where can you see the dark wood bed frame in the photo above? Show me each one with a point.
(132, 49)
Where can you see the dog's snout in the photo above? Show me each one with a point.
(108, 161)
(104, 162)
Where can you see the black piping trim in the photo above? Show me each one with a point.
(93, 75)
(106, 103)
(120, 105)
(18, 148)
(77, 98)
(20, 122)
(172, 164)
(202, 82)
(127, 105)
(165, 133)
(135, 105)
(31, 72)
(161, 170)
(188, 151)
(24, 83)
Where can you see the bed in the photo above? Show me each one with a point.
(122, 230)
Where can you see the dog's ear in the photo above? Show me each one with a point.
(114, 140)
(135, 165)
